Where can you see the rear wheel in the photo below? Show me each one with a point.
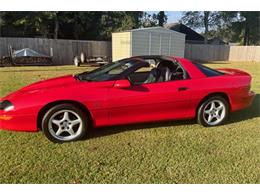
(65, 123)
(213, 111)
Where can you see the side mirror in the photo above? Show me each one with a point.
(122, 84)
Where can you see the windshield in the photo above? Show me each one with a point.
(111, 71)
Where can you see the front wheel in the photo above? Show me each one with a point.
(213, 111)
(64, 123)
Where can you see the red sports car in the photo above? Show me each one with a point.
(132, 90)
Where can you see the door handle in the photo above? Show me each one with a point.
(183, 88)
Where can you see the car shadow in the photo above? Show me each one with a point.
(106, 131)
(251, 112)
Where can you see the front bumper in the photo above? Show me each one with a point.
(17, 122)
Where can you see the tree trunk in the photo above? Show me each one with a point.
(1, 23)
(206, 25)
(248, 36)
(76, 31)
(56, 28)
(246, 33)
(76, 26)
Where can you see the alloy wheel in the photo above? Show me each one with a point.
(65, 125)
(214, 112)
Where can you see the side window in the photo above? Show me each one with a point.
(152, 63)
(120, 69)
(143, 69)
(140, 75)
(163, 71)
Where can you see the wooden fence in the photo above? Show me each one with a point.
(63, 50)
(222, 52)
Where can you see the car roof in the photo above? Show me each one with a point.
(163, 57)
(188, 65)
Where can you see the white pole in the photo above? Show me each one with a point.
(51, 52)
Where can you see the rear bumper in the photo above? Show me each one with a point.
(243, 102)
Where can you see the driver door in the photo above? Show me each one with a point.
(149, 102)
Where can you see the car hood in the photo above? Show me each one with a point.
(58, 82)
(51, 83)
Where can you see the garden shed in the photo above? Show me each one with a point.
(147, 41)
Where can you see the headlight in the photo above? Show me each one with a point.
(6, 105)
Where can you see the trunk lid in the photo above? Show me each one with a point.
(233, 72)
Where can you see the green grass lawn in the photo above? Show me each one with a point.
(165, 152)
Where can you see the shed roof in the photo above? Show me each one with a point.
(153, 29)
(190, 34)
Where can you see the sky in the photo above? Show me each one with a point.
(173, 16)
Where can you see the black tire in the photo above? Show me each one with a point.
(201, 113)
(84, 123)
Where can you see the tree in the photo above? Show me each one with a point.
(162, 18)
(205, 19)
(155, 19)
(117, 21)
(249, 27)
(148, 20)
(67, 25)
(27, 24)
(56, 26)
(241, 26)
(231, 26)
(1, 22)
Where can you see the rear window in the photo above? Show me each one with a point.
(208, 71)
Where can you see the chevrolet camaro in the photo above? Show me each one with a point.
(132, 90)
